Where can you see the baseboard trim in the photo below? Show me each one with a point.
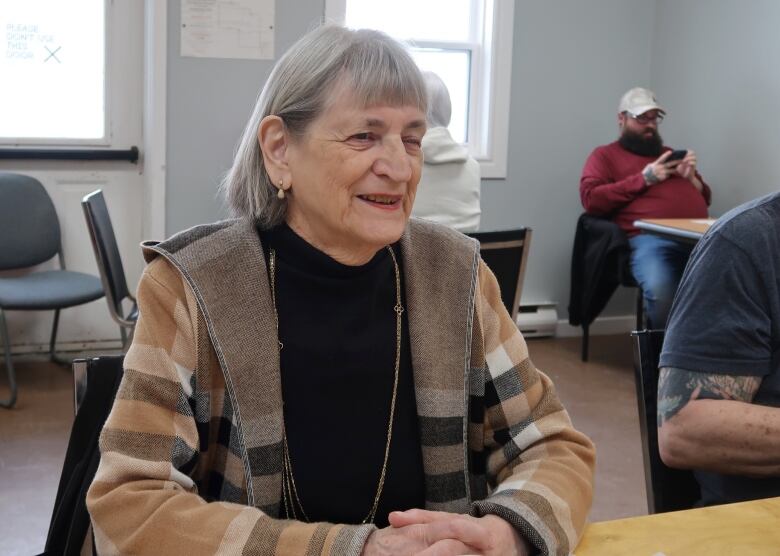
(65, 347)
(602, 326)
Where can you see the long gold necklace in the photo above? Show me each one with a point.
(289, 491)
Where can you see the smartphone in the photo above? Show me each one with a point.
(676, 155)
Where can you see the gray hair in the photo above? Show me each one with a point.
(379, 70)
(439, 104)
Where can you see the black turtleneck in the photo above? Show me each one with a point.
(338, 328)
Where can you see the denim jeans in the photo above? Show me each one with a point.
(658, 264)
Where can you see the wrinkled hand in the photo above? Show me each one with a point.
(662, 169)
(489, 535)
(410, 540)
(687, 166)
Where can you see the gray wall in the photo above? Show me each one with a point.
(209, 103)
(712, 62)
(571, 62)
(715, 67)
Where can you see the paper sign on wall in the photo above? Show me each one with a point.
(227, 29)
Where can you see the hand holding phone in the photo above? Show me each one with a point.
(676, 155)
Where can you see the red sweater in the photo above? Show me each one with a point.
(612, 185)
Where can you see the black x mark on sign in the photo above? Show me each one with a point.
(52, 54)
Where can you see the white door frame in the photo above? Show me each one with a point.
(154, 117)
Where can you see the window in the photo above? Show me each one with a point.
(52, 63)
(468, 43)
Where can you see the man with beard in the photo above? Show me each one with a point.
(631, 179)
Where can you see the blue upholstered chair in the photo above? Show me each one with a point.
(30, 235)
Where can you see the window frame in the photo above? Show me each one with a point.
(106, 139)
(473, 122)
(490, 83)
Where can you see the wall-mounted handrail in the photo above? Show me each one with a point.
(129, 155)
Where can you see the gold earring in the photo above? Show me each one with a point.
(280, 193)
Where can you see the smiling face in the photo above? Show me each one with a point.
(354, 176)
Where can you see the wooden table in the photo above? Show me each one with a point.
(744, 529)
(684, 229)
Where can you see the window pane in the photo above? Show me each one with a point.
(433, 20)
(453, 68)
(52, 69)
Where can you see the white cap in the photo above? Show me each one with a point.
(637, 101)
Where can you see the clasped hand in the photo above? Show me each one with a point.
(428, 533)
(685, 168)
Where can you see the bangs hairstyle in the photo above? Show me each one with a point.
(376, 68)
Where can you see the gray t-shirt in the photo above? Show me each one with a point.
(725, 319)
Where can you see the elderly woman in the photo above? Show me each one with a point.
(450, 183)
(321, 375)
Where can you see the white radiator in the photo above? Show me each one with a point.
(538, 320)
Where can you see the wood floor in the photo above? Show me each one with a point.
(599, 396)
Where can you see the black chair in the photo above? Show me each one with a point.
(30, 235)
(667, 489)
(506, 253)
(96, 383)
(112, 273)
(600, 262)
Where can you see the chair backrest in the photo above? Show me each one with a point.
(96, 383)
(667, 489)
(506, 253)
(29, 227)
(599, 264)
(101, 232)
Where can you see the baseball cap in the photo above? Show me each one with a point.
(637, 101)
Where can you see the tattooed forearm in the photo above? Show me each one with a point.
(676, 387)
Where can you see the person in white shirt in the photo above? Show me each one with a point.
(448, 192)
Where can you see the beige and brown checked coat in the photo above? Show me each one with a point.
(191, 455)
